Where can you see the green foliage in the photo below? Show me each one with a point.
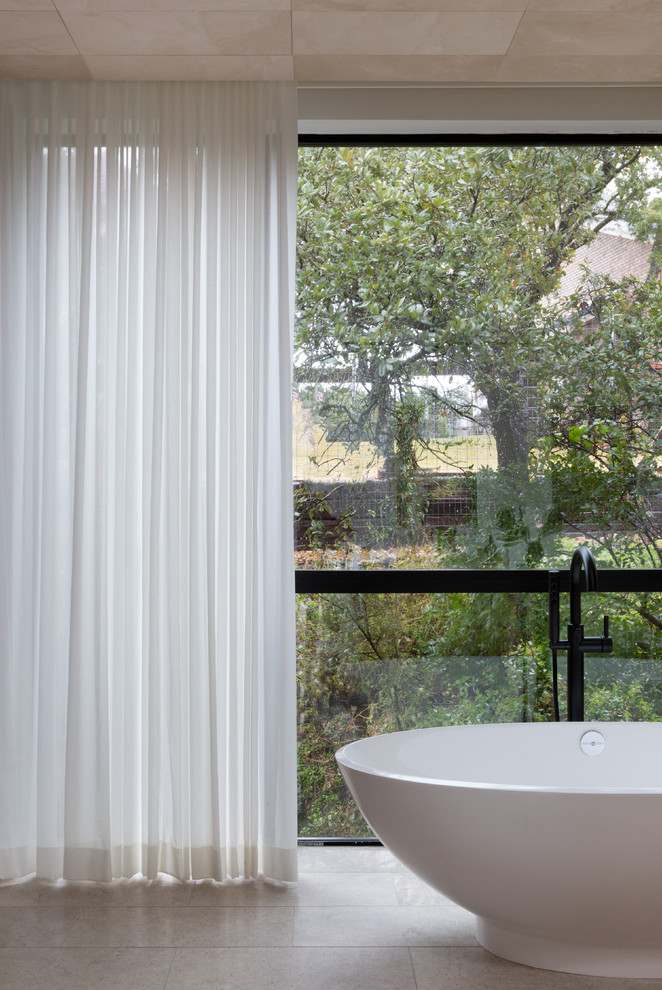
(412, 262)
(602, 412)
(316, 524)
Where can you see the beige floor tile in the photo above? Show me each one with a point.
(85, 969)
(406, 926)
(134, 935)
(182, 926)
(319, 889)
(22, 892)
(35, 926)
(476, 969)
(411, 891)
(131, 893)
(291, 969)
(347, 859)
(315, 889)
(210, 893)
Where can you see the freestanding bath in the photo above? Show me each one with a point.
(550, 833)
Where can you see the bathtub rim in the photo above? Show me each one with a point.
(347, 761)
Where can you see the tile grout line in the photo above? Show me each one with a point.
(172, 963)
(413, 967)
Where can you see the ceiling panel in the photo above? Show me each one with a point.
(518, 42)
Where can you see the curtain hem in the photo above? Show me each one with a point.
(102, 866)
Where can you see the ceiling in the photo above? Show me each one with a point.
(461, 42)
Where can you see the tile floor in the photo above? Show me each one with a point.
(355, 921)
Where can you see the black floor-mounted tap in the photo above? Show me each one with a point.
(582, 571)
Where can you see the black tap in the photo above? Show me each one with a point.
(582, 564)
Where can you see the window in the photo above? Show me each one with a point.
(477, 385)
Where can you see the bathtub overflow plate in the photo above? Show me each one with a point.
(592, 743)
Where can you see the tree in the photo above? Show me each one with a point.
(602, 416)
(416, 262)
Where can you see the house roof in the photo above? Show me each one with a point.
(610, 255)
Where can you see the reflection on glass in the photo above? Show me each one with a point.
(382, 663)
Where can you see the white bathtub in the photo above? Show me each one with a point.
(556, 848)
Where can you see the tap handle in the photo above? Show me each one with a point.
(606, 627)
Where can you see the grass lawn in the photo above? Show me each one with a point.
(317, 460)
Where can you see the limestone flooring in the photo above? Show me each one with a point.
(355, 921)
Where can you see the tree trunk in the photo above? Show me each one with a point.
(509, 418)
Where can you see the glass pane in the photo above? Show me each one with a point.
(625, 684)
(381, 663)
(478, 366)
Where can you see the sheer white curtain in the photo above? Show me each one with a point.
(147, 690)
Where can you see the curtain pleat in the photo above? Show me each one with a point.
(147, 702)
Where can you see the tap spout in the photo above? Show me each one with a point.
(582, 563)
(583, 577)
